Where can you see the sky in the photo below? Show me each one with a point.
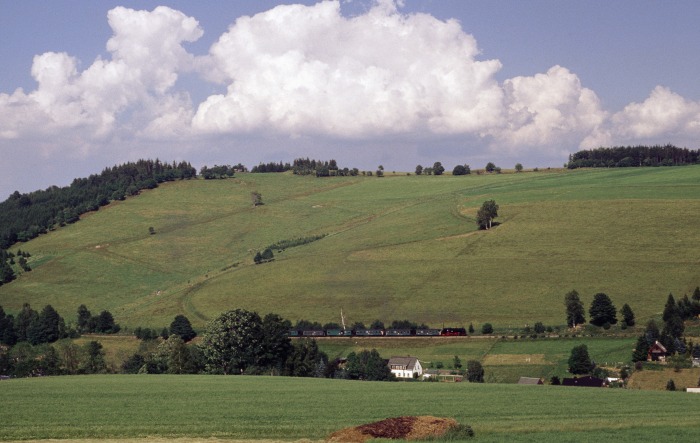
(89, 84)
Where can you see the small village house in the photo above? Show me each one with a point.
(657, 352)
(405, 367)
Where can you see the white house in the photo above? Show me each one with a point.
(405, 367)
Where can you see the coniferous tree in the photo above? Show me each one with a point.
(580, 361)
(575, 313)
(47, 327)
(23, 321)
(673, 321)
(641, 350)
(7, 329)
(602, 310)
(627, 315)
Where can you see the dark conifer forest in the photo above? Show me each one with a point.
(631, 156)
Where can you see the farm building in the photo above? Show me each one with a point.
(530, 381)
(405, 367)
(585, 382)
(696, 356)
(657, 352)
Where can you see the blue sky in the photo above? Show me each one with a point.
(364, 82)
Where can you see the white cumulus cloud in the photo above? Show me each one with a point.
(146, 57)
(309, 70)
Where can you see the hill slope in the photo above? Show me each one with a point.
(396, 247)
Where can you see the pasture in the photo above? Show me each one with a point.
(504, 361)
(401, 247)
(251, 408)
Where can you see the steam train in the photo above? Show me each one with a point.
(444, 332)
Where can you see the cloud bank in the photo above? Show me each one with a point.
(308, 71)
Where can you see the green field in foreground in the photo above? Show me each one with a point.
(396, 247)
(238, 407)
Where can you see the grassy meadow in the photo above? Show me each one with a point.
(504, 361)
(249, 408)
(396, 247)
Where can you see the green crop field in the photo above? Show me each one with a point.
(401, 247)
(240, 407)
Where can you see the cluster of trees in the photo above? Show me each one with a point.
(629, 156)
(263, 257)
(7, 259)
(102, 323)
(271, 167)
(60, 358)
(180, 326)
(306, 166)
(220, 172)
(33, 327)
(602, 311)
(671, 335)
(243, 342)
(48, 326)
(25, 216)
(437, 169)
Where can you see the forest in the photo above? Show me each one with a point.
(633, 156)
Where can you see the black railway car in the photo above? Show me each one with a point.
(398, 333)
(369, 332)
(427, 332)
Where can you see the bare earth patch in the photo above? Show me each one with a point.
(408, 428)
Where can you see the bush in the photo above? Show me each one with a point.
(487, 328)
(670, 385)
(458, 433)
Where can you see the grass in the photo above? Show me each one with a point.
(504, 361)
(397, 247)
(251, 408)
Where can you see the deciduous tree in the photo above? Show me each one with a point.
(232, 341)
(182, 327)
(486, 214)
(475, 372)
(367, 365)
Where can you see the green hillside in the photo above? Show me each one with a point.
(396, 247)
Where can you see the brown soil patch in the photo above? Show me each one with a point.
(408, 428)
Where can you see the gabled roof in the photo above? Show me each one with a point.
(658, 347)
(408, 362)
